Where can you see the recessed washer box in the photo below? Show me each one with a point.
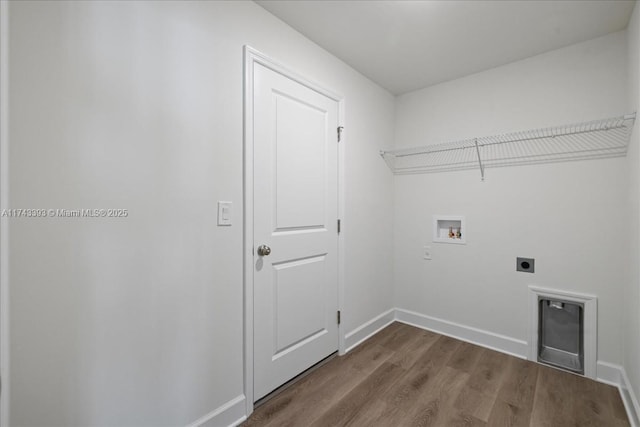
(449, 229)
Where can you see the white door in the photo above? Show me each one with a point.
(295, 216)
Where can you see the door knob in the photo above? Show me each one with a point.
(264, 250)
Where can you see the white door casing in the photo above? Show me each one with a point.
(292, 150)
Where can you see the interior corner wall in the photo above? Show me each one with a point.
(631, 320)
(569, 216)
(138, 106)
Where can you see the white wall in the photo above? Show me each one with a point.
(138, 105)
(567, 216)
(631, 318)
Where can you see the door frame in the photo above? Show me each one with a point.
(252, 57)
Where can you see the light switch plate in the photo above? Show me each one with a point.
(224, 213)
(426, 252)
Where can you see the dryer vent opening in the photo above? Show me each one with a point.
(561, 334)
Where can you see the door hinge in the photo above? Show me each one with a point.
(339, 226)
(338, 317)
(340, 128)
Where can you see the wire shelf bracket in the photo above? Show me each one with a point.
(597, 139)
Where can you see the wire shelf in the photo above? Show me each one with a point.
(596, 139)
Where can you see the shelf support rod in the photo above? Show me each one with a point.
(475, 141)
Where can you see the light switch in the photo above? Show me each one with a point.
(426, 252)
(224, 213)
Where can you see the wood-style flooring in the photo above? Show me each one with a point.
(405, 376)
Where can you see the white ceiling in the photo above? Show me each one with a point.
(407, 45)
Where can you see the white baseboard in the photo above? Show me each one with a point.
(608, 373)
(230, 414)
(501, 343)
(361, 333)
(629, 399)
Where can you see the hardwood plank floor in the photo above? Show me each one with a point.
(406, 376)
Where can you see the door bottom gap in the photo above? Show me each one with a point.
(292, 381)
